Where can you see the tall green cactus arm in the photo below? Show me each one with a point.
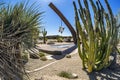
(109, 9)
(111, 14)
(93, 6)
(81, 8)
(79, 34)
(79, 27)
(96, 49)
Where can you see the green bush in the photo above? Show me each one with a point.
(59, 39)
(25, 56)
(41, 54)
(65, 74)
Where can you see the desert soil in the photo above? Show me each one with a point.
(73, 65)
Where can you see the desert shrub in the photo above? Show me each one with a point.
(43, 58)
(65, 74)
(25, 56)
(41, 54)
(59, 39)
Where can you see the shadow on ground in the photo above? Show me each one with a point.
(106, 74)
(58, 57)
(64, 53)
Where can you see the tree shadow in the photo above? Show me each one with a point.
(106, 74)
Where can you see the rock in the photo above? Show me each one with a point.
(68, 56)
(74, 75)
(43, 58)
(111, 58)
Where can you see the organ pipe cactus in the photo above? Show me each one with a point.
(44, 32)
(101, 40)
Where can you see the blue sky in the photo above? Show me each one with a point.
(51, 21)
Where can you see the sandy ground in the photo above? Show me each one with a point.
(72, 65)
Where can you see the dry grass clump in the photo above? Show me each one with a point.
(41, 54)
(65, 74)
(43, 58)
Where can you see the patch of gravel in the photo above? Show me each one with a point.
(36, 63)
(47, 77)
(54, 77)
(72, 65)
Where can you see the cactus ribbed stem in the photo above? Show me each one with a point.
(44, 32)
(98, 43)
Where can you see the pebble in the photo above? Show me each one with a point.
(74, 75)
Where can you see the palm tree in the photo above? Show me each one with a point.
(18, 24)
